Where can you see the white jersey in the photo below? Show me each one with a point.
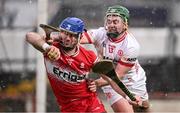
(124, 51)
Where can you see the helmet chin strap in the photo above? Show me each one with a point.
(114, 35)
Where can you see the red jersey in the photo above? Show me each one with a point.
(68, 74)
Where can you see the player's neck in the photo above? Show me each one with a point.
(71, 52)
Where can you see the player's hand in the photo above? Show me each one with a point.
(54, 37)
(137, 103)
(48, 40)
(53, 53)
(92, 85)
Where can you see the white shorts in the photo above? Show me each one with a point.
(112, 96)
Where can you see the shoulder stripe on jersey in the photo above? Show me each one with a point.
(126, 64)
(88, 37)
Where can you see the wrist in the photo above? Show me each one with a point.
(96, 82)
(100, 82)
(45, 46)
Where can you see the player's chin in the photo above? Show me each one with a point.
(68, 45)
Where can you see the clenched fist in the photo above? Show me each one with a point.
(91, 85)
(137, 103)
(53, 52)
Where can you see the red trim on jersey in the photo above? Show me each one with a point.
(88, 37)
(126, 64)
(119, 39)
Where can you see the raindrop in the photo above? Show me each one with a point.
(30, 1)
(174, 89)
(151, 90)
(153, 12)
(149, 61)
(151, 105)
(69, 11)
(3, 86)
(173, 24)
(23, 75)
(165, 94)
(146, 6)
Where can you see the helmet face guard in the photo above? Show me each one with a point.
(73, 26)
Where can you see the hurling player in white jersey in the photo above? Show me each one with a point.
(113, 41)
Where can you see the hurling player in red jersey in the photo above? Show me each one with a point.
(67, 65)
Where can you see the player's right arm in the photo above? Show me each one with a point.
(36, 41)
(39, 43)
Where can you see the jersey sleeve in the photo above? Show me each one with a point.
(95, 35)
(130, 57)
(93, 57)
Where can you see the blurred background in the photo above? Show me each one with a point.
(23, 83)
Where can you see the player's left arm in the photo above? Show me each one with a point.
(122, 69)
(125, 64)
(103, 81)
(87, 37)
(92, 58)
(127, 61)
